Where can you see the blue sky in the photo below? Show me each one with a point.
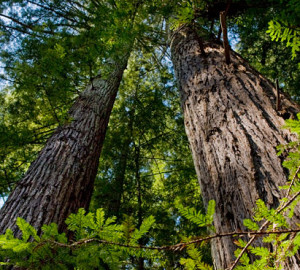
(1, 202)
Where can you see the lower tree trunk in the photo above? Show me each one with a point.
(233, 130)
(61, 179)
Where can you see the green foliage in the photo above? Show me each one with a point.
(27, 230)
(292, 149)
(185, 14)
(198, 218)
(284, 26)
(272, 59)
(194, 261)
(262, 212)
(284, 245)
(290, 36)
(293, 125)
(144, 228)
(248, 223)
(99, 243)
(195, 255)
(146, 165)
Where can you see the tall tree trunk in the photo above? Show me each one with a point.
(139, 197)
(117, 187)
(233, 130)
(114, 205)
(61, 179)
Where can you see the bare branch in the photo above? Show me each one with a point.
(277, 96)
(176, 247)
(225, 38)
(26, 26)
(53, 10)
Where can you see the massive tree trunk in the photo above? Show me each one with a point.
(61, 179)
(233, 130)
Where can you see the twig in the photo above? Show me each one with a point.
(288, 203)
(292, 183)
(228, 7)
(201, 45)
(247, 245)
(225, 38)
(175, 247)
(280, 209)
(277, 96)
(26, 26)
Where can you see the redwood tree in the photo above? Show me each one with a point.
(233, 129)
(60, 180)
(229, 109)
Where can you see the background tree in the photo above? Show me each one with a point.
(159, 174)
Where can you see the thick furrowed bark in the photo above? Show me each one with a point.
(233, 129)
(60, 180)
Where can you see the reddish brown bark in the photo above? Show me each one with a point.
(60, 180)
(233, 129)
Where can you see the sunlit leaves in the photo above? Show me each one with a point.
(197, 217)
(194, 261)
(27, 230)
(292, 162)
(53, 251)
(250, 224)
(290, 36)
(185, 14)
(144, 228)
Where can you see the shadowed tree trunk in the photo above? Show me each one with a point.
(139, 199)
(233, 130)
(61, 179)
(115, 201)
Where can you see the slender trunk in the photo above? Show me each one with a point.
(118, 189)
(139, 195)
(114, 203)
(233, 130)
(61, 179)
(138, 183)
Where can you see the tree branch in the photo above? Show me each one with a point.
(24, 25)
(225, 38)
(176, 247)
(53, 10)
(277, 96)
(292, 183)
